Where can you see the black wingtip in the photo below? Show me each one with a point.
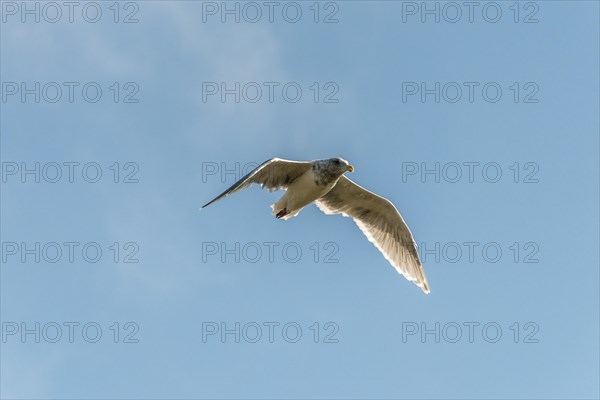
(209, 203)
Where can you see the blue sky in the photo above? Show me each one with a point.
(174, 142)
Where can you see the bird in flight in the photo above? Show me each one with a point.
(323, 182)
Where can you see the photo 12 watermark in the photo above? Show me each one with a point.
(485, 171)
(270, 332)
(470, 332)
(69, 252)
(470, 92)
(270, 252)
(470, 12)
(270, 92)
(69, 92)
(225, 172)
(288, 12)
(28, 172)
(478, 252)
(69, 332)
(56, 12)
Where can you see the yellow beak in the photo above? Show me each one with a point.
(350, 168)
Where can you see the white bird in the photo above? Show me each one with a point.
(323, 182)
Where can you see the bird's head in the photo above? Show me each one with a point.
(330, 170)
(340, 165)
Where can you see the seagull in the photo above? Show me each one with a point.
(323, 182)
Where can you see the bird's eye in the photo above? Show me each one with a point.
(337, 162)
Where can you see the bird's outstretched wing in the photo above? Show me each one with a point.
(381, 223)
(273, 174)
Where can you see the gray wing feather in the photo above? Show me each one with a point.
(273, 174)
(381, 222)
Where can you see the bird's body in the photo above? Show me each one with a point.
(323, 182)
(300, 193)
